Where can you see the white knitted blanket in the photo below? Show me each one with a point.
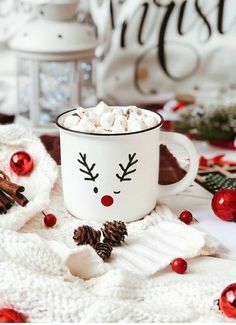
(36, 265)
(37, 185)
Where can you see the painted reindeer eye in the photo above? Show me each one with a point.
(95, 189)
(116, 192)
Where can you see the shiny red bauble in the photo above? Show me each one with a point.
(186, 217)
(49, 220)
(21, 163)
(179, 265)
(8, 315)
(227, 301)
(224, 204)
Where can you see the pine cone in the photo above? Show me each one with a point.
(86, 235)
(103, 250)
(114, 232)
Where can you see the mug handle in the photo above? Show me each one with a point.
(186, 181)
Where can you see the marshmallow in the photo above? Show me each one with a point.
(80, 111)
(129, 109)
(94, 118)
(85, 125)
(107, 120)
(120, 120)
(135, 116)
(71, 121)
(117, 129)
(135, 125)
(101, 108)
(118, 111)
(99, 129)
(150, 121)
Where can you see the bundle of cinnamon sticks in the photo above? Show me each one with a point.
(10, 193)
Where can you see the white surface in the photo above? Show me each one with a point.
(39, 284)
(198, 201)
(209, 151)
(35, 270)
(51, 295)
(147, 248)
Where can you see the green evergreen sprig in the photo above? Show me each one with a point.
(208, 123)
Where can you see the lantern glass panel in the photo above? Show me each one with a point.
(24, 87)
(55, 88)
(48, 88)
(87, 83)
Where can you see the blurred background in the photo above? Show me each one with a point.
(47, 58)
(175, 56)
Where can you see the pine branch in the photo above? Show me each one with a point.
(213, 124)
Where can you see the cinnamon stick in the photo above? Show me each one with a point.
(9, 193)
(3, 208)
(6, 200)
(10, 188)
(20, 199)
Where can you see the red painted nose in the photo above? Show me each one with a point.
(107, 200)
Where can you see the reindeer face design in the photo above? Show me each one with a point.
(124, 176)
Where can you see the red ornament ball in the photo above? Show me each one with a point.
(8, 315)
(227, 301)
(21, 163)
(49, 220)
(224, 204)
(179, 265)
(186, 217)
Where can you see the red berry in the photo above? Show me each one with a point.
(186, 217)
(179, 265)
(50, 220)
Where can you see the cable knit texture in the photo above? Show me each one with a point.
(151, 245)
(38, 264)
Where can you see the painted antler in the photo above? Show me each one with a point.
(88, 170)
(126, 169)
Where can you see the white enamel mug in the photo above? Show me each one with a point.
(115, 176)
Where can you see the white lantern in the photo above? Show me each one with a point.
(55, 62)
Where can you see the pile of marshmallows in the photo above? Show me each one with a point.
(109, 119)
